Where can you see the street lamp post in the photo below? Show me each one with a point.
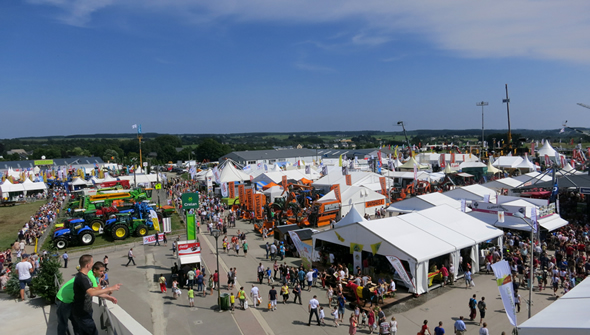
(216, 233)
(482, 104)
(531, 225)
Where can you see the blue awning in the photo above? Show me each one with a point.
(261, 184)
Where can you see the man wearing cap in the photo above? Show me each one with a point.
(24, 269)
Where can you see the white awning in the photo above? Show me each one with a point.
(552, 222)
(190, 259)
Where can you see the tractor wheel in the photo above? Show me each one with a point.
(86, 238)
(60, 243)
(96, 225)
(120, 232)
(141, 230)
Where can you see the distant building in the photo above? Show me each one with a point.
(74, 162)
(20, 152)
(329, 156)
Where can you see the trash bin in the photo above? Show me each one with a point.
(224, 301)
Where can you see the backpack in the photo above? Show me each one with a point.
(480, 305)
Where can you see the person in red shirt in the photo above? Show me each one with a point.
(445, 274)
(216, 279)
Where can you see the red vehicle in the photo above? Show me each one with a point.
(124, 184)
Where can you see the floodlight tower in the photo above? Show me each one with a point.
(482, 104)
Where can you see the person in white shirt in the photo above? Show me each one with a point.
(313, 309)
(254, 294)
(484, 330)
(24, 269)
(309, 278)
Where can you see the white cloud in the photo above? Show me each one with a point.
(540, 29)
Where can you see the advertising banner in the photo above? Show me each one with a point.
(401, 271)
(190, 200)
(358, 259)
(303, 249)
(502, 272)
(224, 191)
(189, 248)
(486, 207)
(336, 189)
(242, 194)
(348, 180)
(155, 221)
(232, 189)
(191, 231)
(250, 197)
(152, 239)
(383, 183)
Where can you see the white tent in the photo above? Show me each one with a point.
(369, 180)
(30, 186)
(230, 173)
(507, 162)
(504, 183)
(492, 169)
(472, 192)
(526, 165)
(364, 200)
(423, 202)
(204, 174)
(11, 191)
(409, 165)
(353, 216)
(437, 237)
(548, 150)
(566, 316)
(277, 176)
(274, 192)
(532, 177)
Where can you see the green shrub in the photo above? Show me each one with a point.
(48, 280)
(12, 286)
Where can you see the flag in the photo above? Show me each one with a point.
(562, 130)
(355, 247)
(503, 273)
(554, 192)
(340, 161)
(308, 169)
(534, 219)
(375, 247)
(340, 238)
(133, 126)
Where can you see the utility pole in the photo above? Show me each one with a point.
(482, 104)
(507, 101)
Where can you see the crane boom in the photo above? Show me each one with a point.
(583, 105)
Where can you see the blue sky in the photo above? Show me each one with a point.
(191, 66)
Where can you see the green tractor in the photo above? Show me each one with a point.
(124, 224)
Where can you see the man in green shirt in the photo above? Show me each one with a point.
(65, 297)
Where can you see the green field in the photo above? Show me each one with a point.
(14, 218)
(103, 240)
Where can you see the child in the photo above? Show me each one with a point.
(335, 315)
(232, 301)
(322, 316)
(191, 297)
(363, 319)
(269, 275)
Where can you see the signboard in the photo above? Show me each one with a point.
(486, 207)
(167, 225)
(158, 186)
(503, 274)
(232, 189)
(190, 200)
(303, 249)
(154, 218)
(242, 194)
(375, 203)
(401, 271)
(152, 239)
(585, 190)
(548, 210)
(189, 248)
(383, 183)
(284, 182)
(43, 162)
(259, 203)
(348, 180)
(191, 231)
(145, 164)
(336, 189)
(250, 199)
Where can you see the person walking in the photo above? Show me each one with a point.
(65, 258)
(341, 303)
(157, 236)
(472, 308)
(425, 330)
(245, 247)
(393, 326)
(260, 271)
(297, 294)
(162, 281)
(439, 330)
(481, 305)
(191, 297)
(164, 239)
(267, 249)
(24, 269)
(484, 330)
(275, 268)
(451, 274)
(285, 293)
(272, 297)
(313, 309)
(254, 293)
(371, 321)
(468, 279)
(242, 297)
(459, 326)
(309, 278)
(273, 253)
(130, 257)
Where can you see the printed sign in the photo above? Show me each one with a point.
(242, 194)
(232, 189)
(250, 197)
(189, 248)
(403, 274)
(375, 203)
(486, 207)
(336, 189)
(303, 249)
(503, 273)
(383, 183)
(152, 239)
(348, 180)
(190, 200)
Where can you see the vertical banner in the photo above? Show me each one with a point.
(502, 272)
(250, 199)
(259, 202)
(308, 169)
(303, 249)
(284, 182)
(534, 219)
(443, 162)
(399, 268)
(383, 183)
(463, 205)
(242, 194)
(415, 172)
(336, 189)
(452, 157)
(224, 192)
(167, 225)
(155, 221)
(501, 216)
(348, 180)
(232, 189)
(191, 233)
(216, 174)
(547, 161)
(486, 198)
(357, 257)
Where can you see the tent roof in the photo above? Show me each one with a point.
(546, 149)
(7, 186)
(353, 195)
(269, 185)
(471, 165)
(492, 169)
(503, 183)
(507, 161)
(566, 316)
(472, 192)
(351, 217)
(230, 173)
(582, 180)
(526, 164)
(422, 202)
(29, 185)
(410, 164)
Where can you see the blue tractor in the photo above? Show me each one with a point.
(74, 232)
